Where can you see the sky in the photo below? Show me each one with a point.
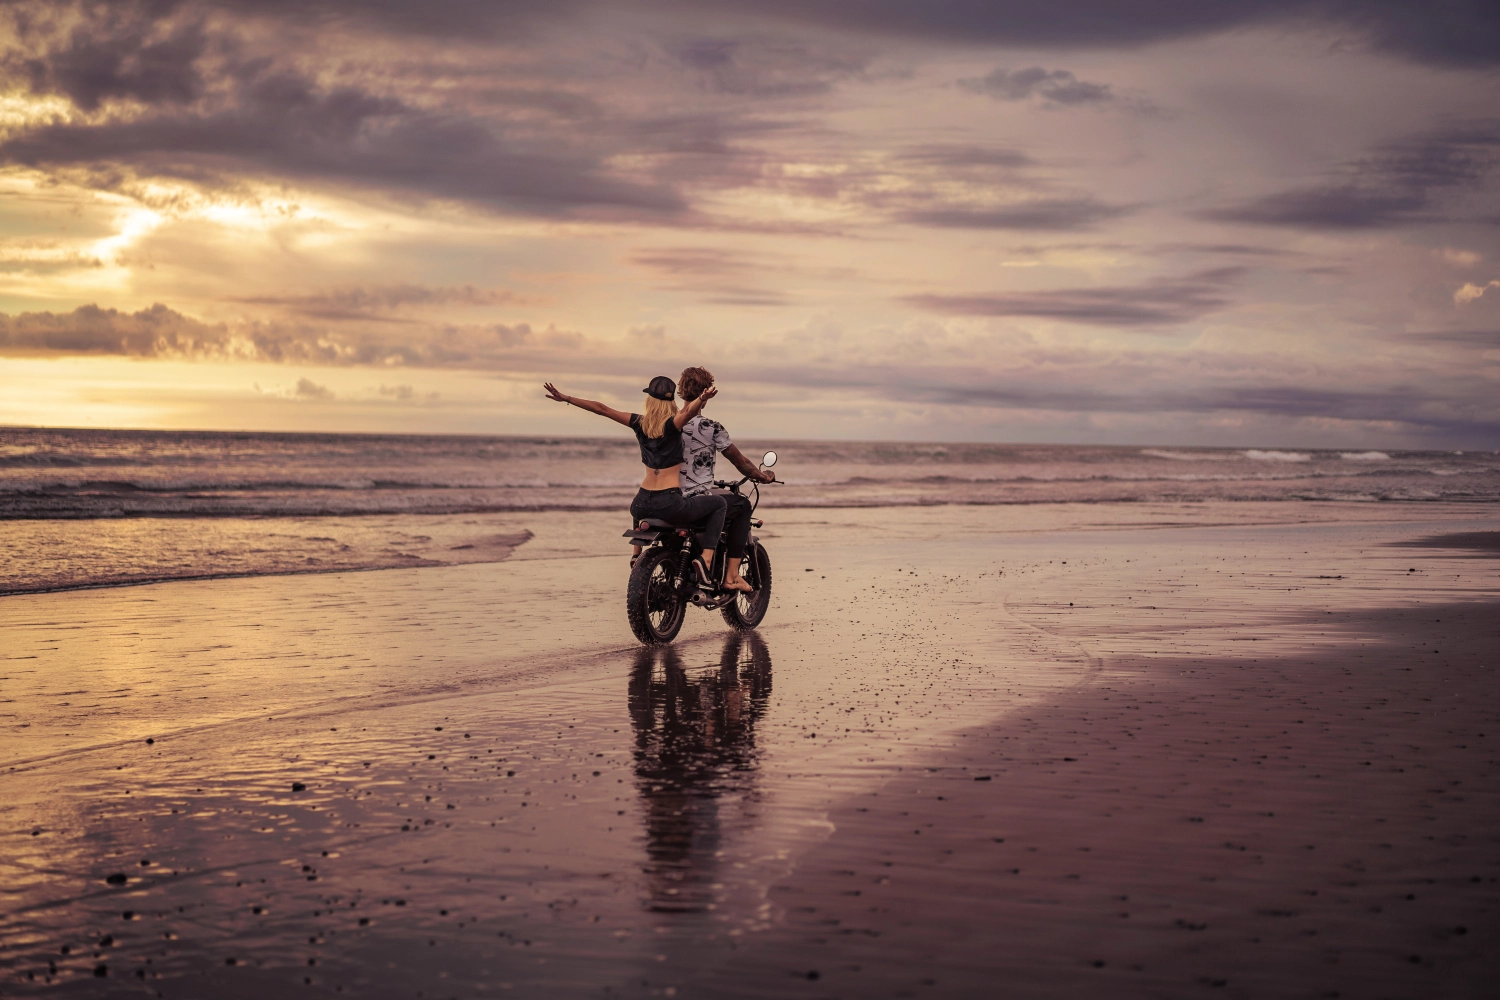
(1273, 222)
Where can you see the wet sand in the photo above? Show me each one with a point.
(1145, 750)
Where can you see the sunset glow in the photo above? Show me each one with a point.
(1257, 227)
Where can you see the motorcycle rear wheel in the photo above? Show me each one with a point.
(747, 611)
(653, 605)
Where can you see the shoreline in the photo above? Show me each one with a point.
(373, 529)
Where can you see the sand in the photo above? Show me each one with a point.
(1140, 750)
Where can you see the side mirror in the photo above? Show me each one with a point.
(769, 460)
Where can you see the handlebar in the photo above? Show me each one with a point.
(735, 488)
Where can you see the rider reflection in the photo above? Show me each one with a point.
(694, 743)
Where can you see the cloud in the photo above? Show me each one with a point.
(378, 302)
(1159, 302)
(1483, 339)
(960, 157)
(1017, 374)
(1055, 87)
(154, 332)
(1042, 214)
(957, 186)
(162, 332)
(767, 67)
(1398, 184)
(696, 261)
(116, 51)
(308, 389)
(725, 277)
(1461, 258)
(286, 126)
(161, 95)
(1470, 292)
(1456, 33)
(924, 363)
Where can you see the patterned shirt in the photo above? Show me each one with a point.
(702, 440)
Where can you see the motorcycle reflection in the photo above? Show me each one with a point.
(694, 744)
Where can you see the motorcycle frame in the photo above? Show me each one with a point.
(686, 541)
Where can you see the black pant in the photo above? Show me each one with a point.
(680, 511)
(737, 517)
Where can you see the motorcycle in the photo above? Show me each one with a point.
(663, 583)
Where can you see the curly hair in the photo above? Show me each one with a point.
(692, 383)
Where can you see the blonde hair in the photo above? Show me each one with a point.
(658, 412)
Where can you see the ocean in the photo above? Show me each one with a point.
(92, 507)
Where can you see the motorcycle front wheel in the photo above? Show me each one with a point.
(653, 605)
(748, 610)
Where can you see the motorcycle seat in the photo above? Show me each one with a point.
(699, 534)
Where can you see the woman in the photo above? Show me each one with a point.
(659, 433)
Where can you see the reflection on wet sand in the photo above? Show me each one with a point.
(694, 745)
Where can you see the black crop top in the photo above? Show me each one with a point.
(659, 453)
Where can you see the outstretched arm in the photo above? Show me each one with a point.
(746, 466)
(592, 406)
(691, 410)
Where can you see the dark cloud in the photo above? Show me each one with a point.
(282, 124)
(162, 95)
(1450, 32)
(1401, 183)
(444, 19)
(116, 51)
(1160, 302)
(1055, 86)
(1054, 214)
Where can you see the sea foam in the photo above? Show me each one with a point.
(1278, 456)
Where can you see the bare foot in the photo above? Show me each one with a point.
(740, 584)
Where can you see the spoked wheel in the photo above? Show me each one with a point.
(746, 611)
(652, 604)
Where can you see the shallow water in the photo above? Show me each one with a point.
(89, 508)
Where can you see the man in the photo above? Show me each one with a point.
(702, 440)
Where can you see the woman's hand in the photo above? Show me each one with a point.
(693, 408)
(553, 394)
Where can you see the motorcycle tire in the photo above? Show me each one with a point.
(747, 611)
(653, 605)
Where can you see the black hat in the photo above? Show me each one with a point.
(661, 387)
